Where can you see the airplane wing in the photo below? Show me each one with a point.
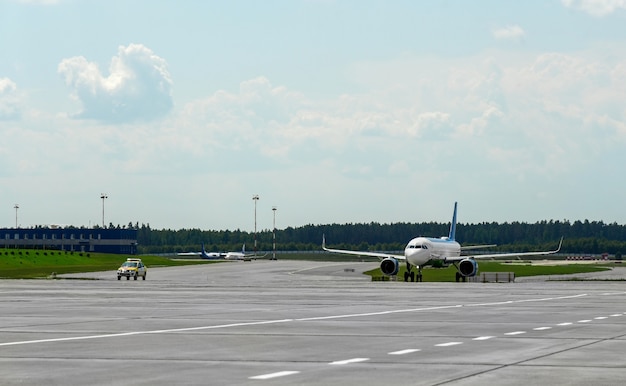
(520, 254)
(380, 255)
(253, 256)
(478, 246)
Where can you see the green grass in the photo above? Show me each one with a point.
(449, 274)
(25, 264)
(28, 263)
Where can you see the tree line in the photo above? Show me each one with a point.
(580, 237)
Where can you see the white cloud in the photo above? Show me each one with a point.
(597, 8)
(508, 32)
(9, 105)
(138, 86)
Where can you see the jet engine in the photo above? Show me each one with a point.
(468, 267)
(389, 266)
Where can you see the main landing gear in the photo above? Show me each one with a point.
(409, 275)
(460, 277)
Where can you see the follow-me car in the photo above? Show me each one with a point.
(132, 268)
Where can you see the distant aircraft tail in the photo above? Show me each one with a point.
(243, 248)
(452, 234)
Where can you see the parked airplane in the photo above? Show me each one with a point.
(243, 255)
(422, 251)
(225, 256)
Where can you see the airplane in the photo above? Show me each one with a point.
(243, 256)
(422, 251)
(203, 254)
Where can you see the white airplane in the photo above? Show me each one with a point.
(422, 251)
(225, 256)
(243, 255)
(203, 254)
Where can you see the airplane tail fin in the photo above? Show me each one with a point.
(452, 234)
(243, 248)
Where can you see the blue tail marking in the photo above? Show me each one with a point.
(452, 234)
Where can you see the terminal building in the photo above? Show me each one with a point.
(112, 240)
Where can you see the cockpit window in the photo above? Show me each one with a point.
(418, 246)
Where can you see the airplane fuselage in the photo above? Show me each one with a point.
(234, 256)
(421, 250)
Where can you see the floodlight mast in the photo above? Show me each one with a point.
(16, 206)
(255, 198)
(103, 196)
(274, 234)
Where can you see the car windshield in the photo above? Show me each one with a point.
(129, 264)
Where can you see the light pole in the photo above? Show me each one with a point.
(255, 198)
(103, 196)
(16, 206)
(274, 234)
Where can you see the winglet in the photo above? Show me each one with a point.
(323, 241)
(452, 234)
(560, 243)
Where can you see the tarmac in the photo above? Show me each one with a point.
(309, 323)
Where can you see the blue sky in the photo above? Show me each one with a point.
(332, 111)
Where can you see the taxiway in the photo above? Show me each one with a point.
(307, 323)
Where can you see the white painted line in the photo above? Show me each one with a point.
(541, 328)
(584, 321)
(483, 338)
(616, 315)
(145, 332)
(258, 323)
(515, 333)
(448, 344)
(274, 375)
(348, 361)
(403, 352)
(547, 299)
(489, 304)
(565, 324)
(601, 317)
(376, 313)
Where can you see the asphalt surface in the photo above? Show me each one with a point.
(307, 323)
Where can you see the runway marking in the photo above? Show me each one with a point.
(541, 328)
(515, 333)
(348, 361)
(601, 317)
(565, 324)
(244, 324)
(404, 352)
(448, 344)
(616, 315)
(483, 338)
(274, 375)
(145, 332)
(375, 313)
(584, 321)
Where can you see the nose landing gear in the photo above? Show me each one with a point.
(410, 275)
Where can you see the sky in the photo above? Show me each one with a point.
(330, 111)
